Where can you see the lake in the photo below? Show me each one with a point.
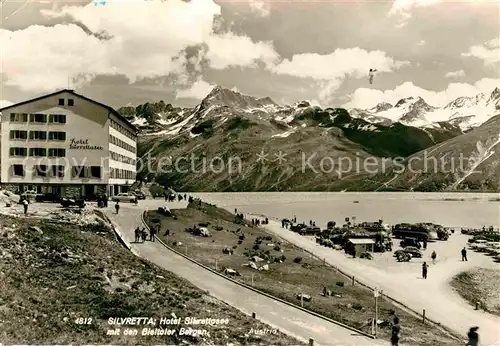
(447, 209)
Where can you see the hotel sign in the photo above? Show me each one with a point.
(82, 144)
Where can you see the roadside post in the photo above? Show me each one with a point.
(376, 293)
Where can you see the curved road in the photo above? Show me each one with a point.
(434, 294)
(289, 320)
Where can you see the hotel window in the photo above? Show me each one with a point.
(57, 136)
(19, 117)
(16, 134)
(61, 102)
(18, 170)
(38, 152)
(58, 171)
(41, 170)
(38, 118)
(78, 172)
(57, 118)
(71, 102)
(19, 152)
(38, 135)
(95, 171)
(57, 152)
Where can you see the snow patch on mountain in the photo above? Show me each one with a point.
(466, 112)
(285, 134)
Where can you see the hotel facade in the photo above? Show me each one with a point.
(67, 144)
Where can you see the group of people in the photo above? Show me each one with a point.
(434, 256)
(141, 234)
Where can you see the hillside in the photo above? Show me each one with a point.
(53, 275)
(467, 162)
(227, 125)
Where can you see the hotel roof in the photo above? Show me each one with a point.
(110, 109)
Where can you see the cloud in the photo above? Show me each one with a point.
(455, 74)
(260, 7)
(135, 38)
(229, 50)
(198, 90)
(332, 69)
(489, 52)
(421, 43)
(403, 9)
(365, 98)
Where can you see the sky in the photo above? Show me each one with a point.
(128, 52)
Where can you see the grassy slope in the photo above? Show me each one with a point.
(49, 280)
(479, 285)
(438, 167)
(352, 305)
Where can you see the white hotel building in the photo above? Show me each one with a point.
(67, 144)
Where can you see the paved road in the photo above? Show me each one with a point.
(289, 320)
(434, 294)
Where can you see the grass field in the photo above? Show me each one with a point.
(51, 276)
(297, 273)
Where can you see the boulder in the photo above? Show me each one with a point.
(305, 297)
(257, 259)
(265, 267)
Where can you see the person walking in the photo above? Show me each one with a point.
(424, 270)
(473, 337)
(137, 233)
(464, 254)
(433, 256)
(144, 235)
(395, 332)
(117, 207)
(25, 205)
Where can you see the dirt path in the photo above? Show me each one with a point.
(434, 295)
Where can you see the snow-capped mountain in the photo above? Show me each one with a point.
(466, 112)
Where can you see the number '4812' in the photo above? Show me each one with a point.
(81, 320)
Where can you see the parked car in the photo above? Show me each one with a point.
(125, 197)
(410, 242)
(48, 197)
(139, 194)
(413, 251)
(69, 202)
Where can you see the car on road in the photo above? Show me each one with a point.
(70, 202)
(125, 197)
(48, 197)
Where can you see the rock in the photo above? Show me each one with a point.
(305, 297)
(36, 229)
(257, 259)
(264, 267)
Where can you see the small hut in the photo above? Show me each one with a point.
(359, 245)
